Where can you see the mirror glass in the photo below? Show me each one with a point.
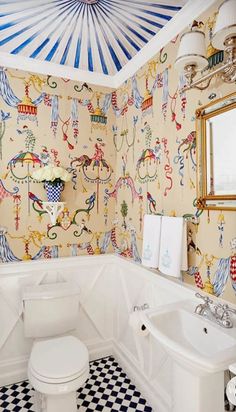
(221, 150)
(216, 141)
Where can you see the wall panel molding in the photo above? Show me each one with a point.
(110, 287)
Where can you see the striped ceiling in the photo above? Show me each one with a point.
(94, 35)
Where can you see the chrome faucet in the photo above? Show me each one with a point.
(217, 313)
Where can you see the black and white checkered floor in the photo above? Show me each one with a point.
(107, 389)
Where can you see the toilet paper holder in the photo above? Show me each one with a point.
(135, 320)
(141, 307)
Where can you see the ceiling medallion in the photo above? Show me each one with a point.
(89, 1)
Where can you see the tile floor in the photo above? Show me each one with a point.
(107, 389)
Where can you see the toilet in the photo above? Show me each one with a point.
(59, 362)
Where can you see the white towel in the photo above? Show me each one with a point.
(171, 246)
(151, 240)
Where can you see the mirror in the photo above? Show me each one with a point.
(216, 148)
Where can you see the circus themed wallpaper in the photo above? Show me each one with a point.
(129, 152)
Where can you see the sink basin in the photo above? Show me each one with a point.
(201, 351)
(191, 339)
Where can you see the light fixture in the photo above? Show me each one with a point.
(191, 54)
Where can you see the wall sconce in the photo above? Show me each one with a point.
(191, 54)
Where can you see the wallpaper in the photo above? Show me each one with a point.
(129, 151)
(45, 120)
(155, 142)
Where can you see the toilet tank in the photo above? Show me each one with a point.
(50, 309)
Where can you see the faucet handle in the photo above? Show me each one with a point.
(219, 309)
(206, 299)
(227, 309)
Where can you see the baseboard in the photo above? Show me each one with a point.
(98, 349)
(155, 397)
(13, 370)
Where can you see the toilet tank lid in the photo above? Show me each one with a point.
(50, 290)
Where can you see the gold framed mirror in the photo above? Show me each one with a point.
(216, 150)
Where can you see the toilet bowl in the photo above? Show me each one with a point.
(57, 368)
(59, 362)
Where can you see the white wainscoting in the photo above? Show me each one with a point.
(110, 288)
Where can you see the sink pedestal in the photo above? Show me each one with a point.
(197, 393)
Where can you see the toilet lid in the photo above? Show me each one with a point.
(59, 358)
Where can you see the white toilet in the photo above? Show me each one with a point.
(59, 362)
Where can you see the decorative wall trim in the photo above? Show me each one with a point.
(53, 264)
(42, 67)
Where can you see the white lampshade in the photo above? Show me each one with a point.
(192, 50)
(225, 24)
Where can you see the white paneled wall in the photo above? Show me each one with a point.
(144, 359)
(110, 288)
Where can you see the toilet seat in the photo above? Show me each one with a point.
(54, 387)
(58, 360)
(62, 380)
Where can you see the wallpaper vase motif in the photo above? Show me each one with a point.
(53, 190)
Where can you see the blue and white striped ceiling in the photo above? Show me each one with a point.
(93, 35)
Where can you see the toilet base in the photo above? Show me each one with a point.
(56, 397)
(55, 403)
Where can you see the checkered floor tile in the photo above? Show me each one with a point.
(17, 398)
(107, 389)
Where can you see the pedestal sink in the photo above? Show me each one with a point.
(201, 350)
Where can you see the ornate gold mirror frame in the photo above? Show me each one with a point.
(209, 151)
